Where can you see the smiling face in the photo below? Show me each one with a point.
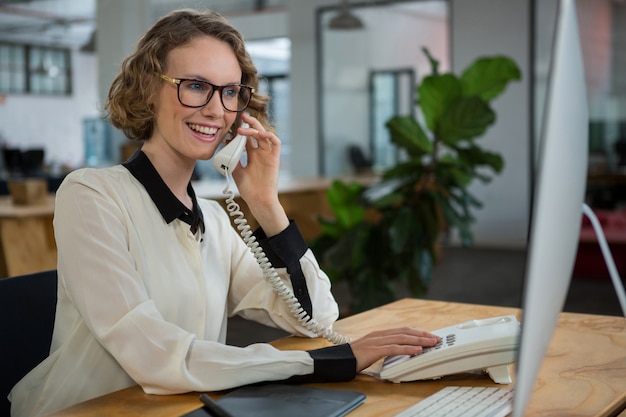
(184, 134)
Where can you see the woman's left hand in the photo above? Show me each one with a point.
(257, 182)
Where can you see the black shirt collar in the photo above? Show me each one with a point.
(170, 207)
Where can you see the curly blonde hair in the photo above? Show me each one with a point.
(138, 82)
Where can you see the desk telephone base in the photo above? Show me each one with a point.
(488, 344)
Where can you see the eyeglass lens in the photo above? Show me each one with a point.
(195, 93)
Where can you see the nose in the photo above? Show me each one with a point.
(214, 106)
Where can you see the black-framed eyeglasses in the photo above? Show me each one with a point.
(196, 93)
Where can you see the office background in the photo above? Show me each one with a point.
(328, 75)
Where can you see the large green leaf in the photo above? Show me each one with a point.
(402, 227)
(384, 192)
(330, 227)
(361, 238)
(465, 118)
(425, 272)
(460, 221)
(406, 132)
(426, 214)
(465, 199)
(349, 252)
(454, 175)
(392, 199)
(339, 255)
(436, 93)
(408, 171)
(343, 200)
(476, 156)
(488, 77)
(375, 290)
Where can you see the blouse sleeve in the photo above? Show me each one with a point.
(252, 297)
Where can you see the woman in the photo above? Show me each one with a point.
(149, 274)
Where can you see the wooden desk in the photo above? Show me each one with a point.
(26, 237)
(583, 374)
(304, 199)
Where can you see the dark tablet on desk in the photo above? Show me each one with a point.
(286, 401)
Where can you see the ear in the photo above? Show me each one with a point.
(154, 89)
(151, 101)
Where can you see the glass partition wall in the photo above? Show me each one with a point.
(369, 74)
(602, 26)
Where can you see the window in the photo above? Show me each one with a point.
(602, 36)
(28, 69)
(12, 69)
(278, 88)
(272, 58)
(391, 94)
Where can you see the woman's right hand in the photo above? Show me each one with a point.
(257, 182)
(396, 341)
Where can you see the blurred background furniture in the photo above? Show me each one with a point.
(26, 237)
(304, 200)
(589, 261)
(27, 309)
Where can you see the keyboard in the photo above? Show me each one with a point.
(464, 401)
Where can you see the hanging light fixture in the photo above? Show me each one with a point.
(345, 19)
(90, 46)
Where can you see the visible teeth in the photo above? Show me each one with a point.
(203, 129)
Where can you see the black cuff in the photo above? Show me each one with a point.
(285, 250)
(331, 364)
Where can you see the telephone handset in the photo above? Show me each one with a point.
(488, 344)
(225, 161)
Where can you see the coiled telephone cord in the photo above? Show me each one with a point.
(271, 275)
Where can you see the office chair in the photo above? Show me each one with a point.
(357, 157)
(27, 309)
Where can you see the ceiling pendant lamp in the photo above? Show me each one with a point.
(345, 19)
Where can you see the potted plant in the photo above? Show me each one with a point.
(389, 232)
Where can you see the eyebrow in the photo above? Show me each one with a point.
(199, 78)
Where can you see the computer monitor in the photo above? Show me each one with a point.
(557, 203)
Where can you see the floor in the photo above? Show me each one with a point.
(476, 276)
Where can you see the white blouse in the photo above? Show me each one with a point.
(143, 301)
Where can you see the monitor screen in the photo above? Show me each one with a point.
(557, 202)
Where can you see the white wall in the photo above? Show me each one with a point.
(304, 88)
(54, 123)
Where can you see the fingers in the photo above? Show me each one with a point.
(395, 341)
(402, 337)
(404, 330)
(262, 139)
(259, 179)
